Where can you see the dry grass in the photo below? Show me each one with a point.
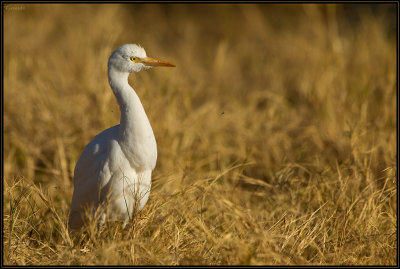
(276, 132)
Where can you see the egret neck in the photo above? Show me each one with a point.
(135, 133)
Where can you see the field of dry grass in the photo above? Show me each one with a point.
(276, 133)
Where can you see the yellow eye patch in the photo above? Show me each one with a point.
(134, 59)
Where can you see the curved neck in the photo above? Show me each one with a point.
(134, 122)
(122, 90)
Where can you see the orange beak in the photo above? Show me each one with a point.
(154, 62)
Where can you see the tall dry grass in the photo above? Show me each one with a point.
(276, 132)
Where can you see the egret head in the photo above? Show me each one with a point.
(133, 58)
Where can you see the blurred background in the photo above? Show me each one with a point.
(296, 101)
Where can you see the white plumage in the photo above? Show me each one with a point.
(114, 170)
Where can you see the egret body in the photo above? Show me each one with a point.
(113, 174)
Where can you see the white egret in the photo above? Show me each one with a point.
(113, 173)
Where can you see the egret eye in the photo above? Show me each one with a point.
(133, 58)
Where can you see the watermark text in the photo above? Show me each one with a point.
(14, 8)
